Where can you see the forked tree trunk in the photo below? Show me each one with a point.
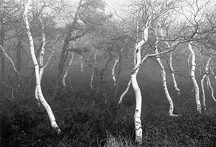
(41, 60)
(192, 74)
(163, 74)
(37, 73)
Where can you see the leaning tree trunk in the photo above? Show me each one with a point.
(192, 74)
(163, 74)
(202, 82)
(19, 56)
(2, 57)
(37, 74)
(173, 74)
(67, 69)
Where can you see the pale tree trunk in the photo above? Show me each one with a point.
(205, 76)
(171, 65)
(210, 86)
(19, 56)
(67, 69)
(137, 91)
(125, 92)
(113, 70)
(192, 74)
(213, 72)
(37, 72)
(119, 69)
(40, 60)
(11, 61)
(2, 37)
(93, 70)
(203, 91)
(163, 74)
(173, 74)
(81, 63)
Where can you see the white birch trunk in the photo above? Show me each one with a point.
(213, 73)
(93, 70)
(67, 69)
(173, 74)
(210, 86)
(171, 66)
(125, 92)
(205, 76)
(138, 95)
(203, 91)
(113, 70)
(14, 68)
(137, 91)
(81, 64)
(163, 74)
(40, 61)
(37, 74)
(192, 74)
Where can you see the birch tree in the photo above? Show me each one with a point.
(193, 77)
(86, 18)
(163, 74)
(37, 69)
(93, 69)
(205, 76)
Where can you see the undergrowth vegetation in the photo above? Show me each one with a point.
(88, 119)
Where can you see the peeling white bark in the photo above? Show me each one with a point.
(138, 95)
(93, 70)
(67, 69)
(192, 74)
(37, 74)
(163, 74)
(113, 70)
(40, 61)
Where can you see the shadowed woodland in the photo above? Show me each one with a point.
(80, 73)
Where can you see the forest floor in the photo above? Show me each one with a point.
(90, 120)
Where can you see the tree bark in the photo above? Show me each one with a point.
(2, 37)
(192, 74)
(19, 55)
(163, 74)
(113, 70)
(173, 74)
(37, 74)
(93, 70)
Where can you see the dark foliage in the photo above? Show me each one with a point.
(87, 119)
